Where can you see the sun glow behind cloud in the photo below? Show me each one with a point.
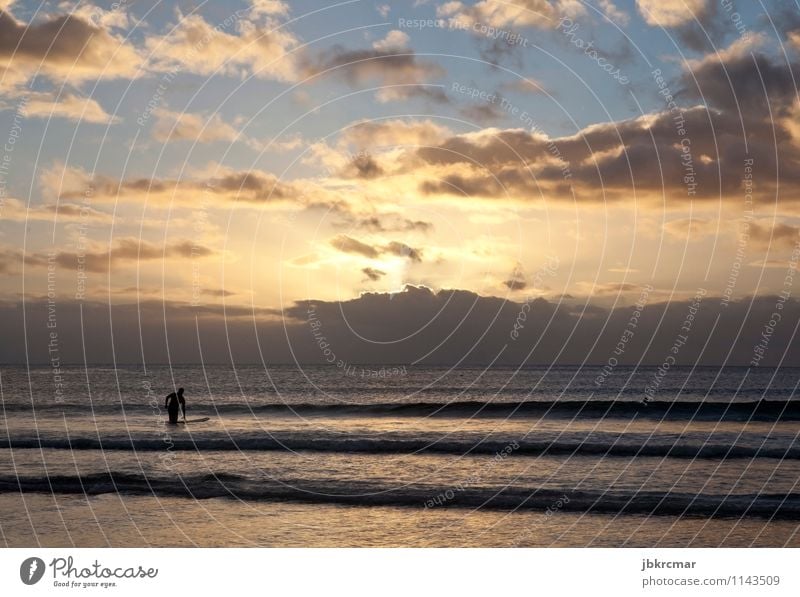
(266, 153)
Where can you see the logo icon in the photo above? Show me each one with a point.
(31, 571)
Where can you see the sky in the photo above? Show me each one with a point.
(220, 167)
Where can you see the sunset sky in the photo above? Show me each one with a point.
(244, 156)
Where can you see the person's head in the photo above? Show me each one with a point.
(180, 391)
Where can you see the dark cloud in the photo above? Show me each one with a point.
(398, 69)
(499, 51)
(455, 184)
(388, 223)
(403, 250)
(517, 279)
(485, 113)
(373, 274)
(614, 288)
(453, 326)
(65, 46)
(783, 15)
(707, 31)
(250, 186)
(347, 244)
(363, 166)
(124, 251)
(774, 234)
(417, 325)
(61, 39)
(515, 284)
(612, 161)
(752, 83)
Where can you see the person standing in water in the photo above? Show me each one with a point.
(172, 404)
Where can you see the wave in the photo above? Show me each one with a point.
(763, 505)
(756, 410)
(610, 445)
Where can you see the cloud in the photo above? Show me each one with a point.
(269, 7)
(371, 134)
(686, 153)
(218, 292)
(195, 127)
(254, 186)
(237, 46)
(526, 85)
(64, 48)
(494, 24)
(740, 78)
(417, 326)
(389, 63)
(403, 250)
(517, 279)
(9, 260)
(769, 234)
(373, 274)
(516, 13)
(84, 46)
(515, 284)
(764, 234)
(458, 326)
(783, 264)
(671, 13)
(643, 159)
(362, 166)
(684, 228)
(125, 251)
(620, 17)
(603, 162)
(394, 40)
(614, 288)
(385, 223)
(72, 107)
(483, 113)
(695, 22)
(15, 210)
(348, 244)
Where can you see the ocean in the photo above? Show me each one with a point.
(400, 456)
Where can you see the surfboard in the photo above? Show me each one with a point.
(203, 420)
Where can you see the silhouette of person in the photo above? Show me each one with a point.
(172, 402)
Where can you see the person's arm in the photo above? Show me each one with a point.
(183, 408)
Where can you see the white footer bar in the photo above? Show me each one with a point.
(400, 572)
